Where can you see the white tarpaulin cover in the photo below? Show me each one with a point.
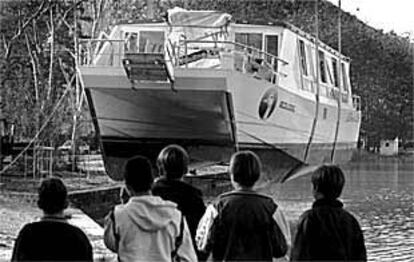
(181, 17)
(208, 26)
(194, 25)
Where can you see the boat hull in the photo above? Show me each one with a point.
(212, 114)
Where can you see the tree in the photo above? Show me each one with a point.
(37, 65)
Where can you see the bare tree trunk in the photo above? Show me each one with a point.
(34, 63)
(52, 52)
(34, 68)
(75, 105)
(73, 138)
(97, 10)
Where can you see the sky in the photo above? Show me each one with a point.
(396, 15)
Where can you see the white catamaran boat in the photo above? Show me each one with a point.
(215, 87)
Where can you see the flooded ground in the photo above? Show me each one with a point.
(379, 193)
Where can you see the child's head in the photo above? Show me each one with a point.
(138, 174)
(172, 162)
(328, 182)
(52, 196)
(245, 168)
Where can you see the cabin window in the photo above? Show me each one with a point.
(303, 62)
(322, 66)
(344, 79)
(131, 43)
(335, 71)
(151, 42)
(329, 72)
(271, 43)
(249, 39)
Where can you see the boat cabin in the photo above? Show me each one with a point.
(278, 53)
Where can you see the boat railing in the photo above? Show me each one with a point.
(111, 50)
(356, 102)
(230, 55)
(246, 48)
(189, 54)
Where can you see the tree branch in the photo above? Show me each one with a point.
(34, 67)
(5, 45)
(34, 16)
(52, 52)
(68, 79)
(66, 13)
(21, 28)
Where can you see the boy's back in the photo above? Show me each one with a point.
(243, 231)
(328, 232)
(52, 240)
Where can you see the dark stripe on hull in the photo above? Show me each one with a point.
(276, 162)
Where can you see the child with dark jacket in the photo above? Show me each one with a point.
(52, 238)
(172, 165)
(243, 224)
(327, 231)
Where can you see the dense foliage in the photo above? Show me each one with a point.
(381, 72)
(37, 68)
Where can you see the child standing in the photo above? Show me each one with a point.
(172, 163)
(52, 238)
(147, 228)
(327, 231)
(243, 224)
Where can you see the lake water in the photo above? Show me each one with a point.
(379, 193)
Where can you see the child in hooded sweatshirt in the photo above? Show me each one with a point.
(147, 228)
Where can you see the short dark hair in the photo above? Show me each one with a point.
(173, 161)
(328, 180)
(245, 168)
(138, 174)
(53, 196)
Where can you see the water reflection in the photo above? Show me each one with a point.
(379, 193)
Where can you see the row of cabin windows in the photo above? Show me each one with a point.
(324, 69)
(255, 40)
(153, 41)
